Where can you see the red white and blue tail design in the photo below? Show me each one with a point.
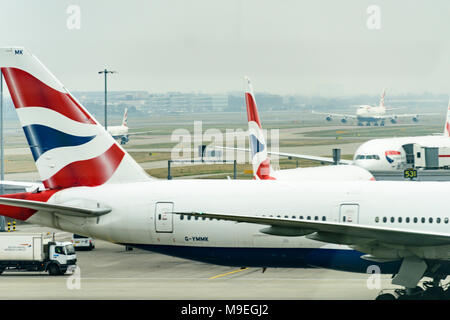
(125, 118)
(383, 94)
(258, 147)
(447, 122)
(69, 146)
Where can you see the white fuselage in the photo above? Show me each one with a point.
(141, 213)
(118, 131)
(367, 112)
(389, 155)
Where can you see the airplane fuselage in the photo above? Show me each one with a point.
(142, 216)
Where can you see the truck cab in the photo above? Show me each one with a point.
(63, 256)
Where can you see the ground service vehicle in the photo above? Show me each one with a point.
(35, 252)
(82, 242)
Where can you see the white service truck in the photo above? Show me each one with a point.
(35, 252)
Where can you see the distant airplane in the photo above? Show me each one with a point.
(373, 114)
(121, 132)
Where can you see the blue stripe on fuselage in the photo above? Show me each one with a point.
(338, 259)
(42, 138)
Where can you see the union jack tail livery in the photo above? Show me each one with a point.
(260, 160)
(69, 146)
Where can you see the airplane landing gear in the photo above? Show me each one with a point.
(432, 290)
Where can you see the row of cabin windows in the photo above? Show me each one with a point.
(316, 218)
(414, 220)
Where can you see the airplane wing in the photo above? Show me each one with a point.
(295, 155)
(333, 232)
(55, 208)
(136, 133)
(352, 116)
(406, 115)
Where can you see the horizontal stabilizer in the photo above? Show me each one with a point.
(55, 208)
(294, 155)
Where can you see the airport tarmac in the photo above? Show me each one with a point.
(111, 272)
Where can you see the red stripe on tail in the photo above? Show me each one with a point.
(28, 91)
(89, 173)
(252, 111)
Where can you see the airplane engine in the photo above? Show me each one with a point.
(344, 120)
(124, 140)
(329, 118)
(415, 119)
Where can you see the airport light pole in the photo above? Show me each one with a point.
(105, 72)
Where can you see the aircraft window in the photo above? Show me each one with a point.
(384, 219)
(278, 216)
(377, 219)
(392, 219)
(418, 154)
(196, 218)
(438, 220)
(430, 220)
(423, 220)
(415, 220)
(308, 218)
(359, 157)
(301, 217)
(376, 157)
(324, 218)
(287, 217)
(293, 217)
(446, 220)
(400, 219)
(407, 219)
(316, 218)
(181, 217)
(203, 218)
(271, 216)
(189, 217)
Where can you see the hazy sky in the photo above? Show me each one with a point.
(302, 47)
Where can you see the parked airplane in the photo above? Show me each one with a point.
(94, 188)
(262, 169)
(372, 114)
(121, 132)
(386, 154)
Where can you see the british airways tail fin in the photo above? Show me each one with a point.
(125, 118)
(383, 94)
(69, 146)
(260, 160)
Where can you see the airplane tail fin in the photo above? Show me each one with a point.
(447, 121)
(260, 159)
(125, 118)
(69, 146)
(383, 94)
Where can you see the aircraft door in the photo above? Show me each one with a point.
(349, 213)
(164, 217)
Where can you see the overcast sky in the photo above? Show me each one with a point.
(299, 47)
